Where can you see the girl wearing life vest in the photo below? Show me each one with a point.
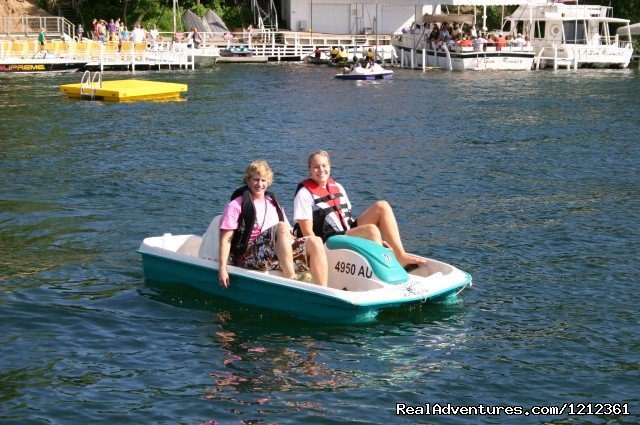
(255, 233)
(321, 207)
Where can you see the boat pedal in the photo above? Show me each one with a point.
(411, 267)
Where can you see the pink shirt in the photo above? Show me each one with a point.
(264, 219)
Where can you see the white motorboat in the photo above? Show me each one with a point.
(39, 63)
(364, 278)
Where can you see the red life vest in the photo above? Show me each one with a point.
(331, 214)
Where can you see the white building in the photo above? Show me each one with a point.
(350, 17)
(370, 16)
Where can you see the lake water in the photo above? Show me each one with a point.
(529, 181)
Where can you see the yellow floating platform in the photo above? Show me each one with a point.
(125, 90)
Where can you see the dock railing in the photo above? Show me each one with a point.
(29, 26)
(102, 54)
(288, 45)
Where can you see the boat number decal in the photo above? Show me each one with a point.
(350, 268)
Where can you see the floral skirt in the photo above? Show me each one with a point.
(261, 253)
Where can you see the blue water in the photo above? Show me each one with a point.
(529, 181)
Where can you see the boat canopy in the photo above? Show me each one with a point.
(445, 17)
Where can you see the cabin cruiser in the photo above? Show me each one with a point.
(572, 35)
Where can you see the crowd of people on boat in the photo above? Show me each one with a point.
(256, 234)
(450, 36)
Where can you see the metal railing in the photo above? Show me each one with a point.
(29, 26)
(280, 45)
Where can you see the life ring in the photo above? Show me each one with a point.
(555, 30)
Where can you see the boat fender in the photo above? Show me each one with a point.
(382, 261)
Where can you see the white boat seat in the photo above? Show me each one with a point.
(209, 248)
(191, 246)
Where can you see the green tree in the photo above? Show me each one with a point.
(235, 13)
(627, 9)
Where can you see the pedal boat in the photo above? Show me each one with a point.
(376, 72)
(323, 59)
(237, 51)
(364, 278)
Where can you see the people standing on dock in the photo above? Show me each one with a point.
(195, 39)
(41, 39)
(154, 34)
(124, 33)
(228, 37)
(102, 30)
(111, 29)
(138, 34)
(79, 32)
(255, 234)
(94, 29)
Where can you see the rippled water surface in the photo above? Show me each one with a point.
(529, 181)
